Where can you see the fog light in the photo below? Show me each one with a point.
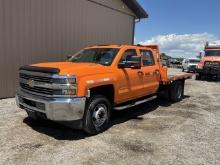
(40, 106)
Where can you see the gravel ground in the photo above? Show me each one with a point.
(157, 132)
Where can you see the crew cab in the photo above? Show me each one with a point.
(93, 82)
(209, 66)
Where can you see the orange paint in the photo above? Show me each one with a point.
(128, 83)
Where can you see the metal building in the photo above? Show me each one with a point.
(33, 31)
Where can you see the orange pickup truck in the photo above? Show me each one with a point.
(93, 82)
(209, 66)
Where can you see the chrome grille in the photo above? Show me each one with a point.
(36, 78)
(212, 64)
(26, 77)
(40, 90)
(44, 84)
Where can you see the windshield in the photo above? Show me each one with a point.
(194, 61)
(212, 53)
(103, 56)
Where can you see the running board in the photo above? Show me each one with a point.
(134, 104)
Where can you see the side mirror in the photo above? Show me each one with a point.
(134, 62)
(122, 65)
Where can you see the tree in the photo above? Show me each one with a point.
(165, 56)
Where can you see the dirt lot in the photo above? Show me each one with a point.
(157, 132)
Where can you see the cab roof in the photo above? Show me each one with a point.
(212, 48)
(121, 46)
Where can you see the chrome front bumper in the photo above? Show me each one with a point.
(55, 109)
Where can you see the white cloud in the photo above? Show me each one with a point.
(184, 45)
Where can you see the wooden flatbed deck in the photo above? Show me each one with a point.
(179, 76)
(175, 76)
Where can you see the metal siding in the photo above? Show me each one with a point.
(116, 4)
(2, 79)
(33, 31)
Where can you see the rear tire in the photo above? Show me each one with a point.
(176, 92)
(97, 115)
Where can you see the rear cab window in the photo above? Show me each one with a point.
(147, 57)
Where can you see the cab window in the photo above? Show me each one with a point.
(147, 57)
(103, 56)
(127, 55)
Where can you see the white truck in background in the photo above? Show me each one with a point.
(190, 64)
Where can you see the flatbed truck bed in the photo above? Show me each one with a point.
(175, 77)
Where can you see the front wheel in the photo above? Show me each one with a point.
(97, 115)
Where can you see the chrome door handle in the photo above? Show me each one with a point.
(148, 73)
(157, 71)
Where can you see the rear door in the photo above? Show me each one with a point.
(150, 71)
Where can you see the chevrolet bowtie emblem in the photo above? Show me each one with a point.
(30, 83)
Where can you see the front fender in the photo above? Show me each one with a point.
(88, 82)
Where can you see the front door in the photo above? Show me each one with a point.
(131, 80)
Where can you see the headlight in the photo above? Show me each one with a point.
(200, 65)
(65, 86)
(65, 81)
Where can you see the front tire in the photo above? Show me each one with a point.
(97, 115)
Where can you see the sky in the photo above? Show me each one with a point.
(180, 27)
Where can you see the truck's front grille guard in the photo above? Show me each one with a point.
(46, 88)
(212, 64)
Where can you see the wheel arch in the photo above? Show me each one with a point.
(107, 90)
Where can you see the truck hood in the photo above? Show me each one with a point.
(77, 69)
